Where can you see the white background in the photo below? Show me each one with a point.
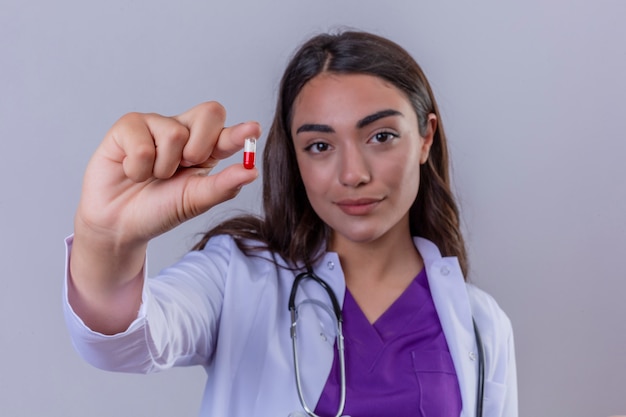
(532, 97)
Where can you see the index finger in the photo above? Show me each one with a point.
(209, 140)
(231, 139)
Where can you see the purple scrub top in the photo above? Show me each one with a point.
(399, 366)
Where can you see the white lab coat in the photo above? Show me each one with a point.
(228, 312)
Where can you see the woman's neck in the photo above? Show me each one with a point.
(377, 273)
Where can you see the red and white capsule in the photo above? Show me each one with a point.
(249, 153)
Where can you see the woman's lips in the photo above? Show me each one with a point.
(358, 207)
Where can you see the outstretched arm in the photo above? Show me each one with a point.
(149, 174)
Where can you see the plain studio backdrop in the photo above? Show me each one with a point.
(532, 97)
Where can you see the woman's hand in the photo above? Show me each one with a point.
(150, 174)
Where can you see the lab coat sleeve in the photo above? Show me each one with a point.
(178, 320)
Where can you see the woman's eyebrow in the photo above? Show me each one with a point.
(309, 127)
(312, 127)
(376, 116)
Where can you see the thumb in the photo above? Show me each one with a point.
(204, 192)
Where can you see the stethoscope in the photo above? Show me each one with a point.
(336, 311)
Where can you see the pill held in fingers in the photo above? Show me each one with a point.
(249, 153)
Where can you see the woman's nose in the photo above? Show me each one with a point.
(354, 169)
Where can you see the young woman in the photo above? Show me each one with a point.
(357, 206)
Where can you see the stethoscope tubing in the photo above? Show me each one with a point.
(480, 390)
(340, 340)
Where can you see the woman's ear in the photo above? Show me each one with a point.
(427, 139)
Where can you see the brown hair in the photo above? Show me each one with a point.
(290, 227)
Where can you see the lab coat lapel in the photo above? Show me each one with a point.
(451, 301)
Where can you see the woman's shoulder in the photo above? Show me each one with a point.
(244, 250)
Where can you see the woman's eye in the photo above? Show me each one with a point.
(383, 137)
(317, 147)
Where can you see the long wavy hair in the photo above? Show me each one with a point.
(289, 226)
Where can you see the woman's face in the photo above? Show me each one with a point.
(359, 152)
